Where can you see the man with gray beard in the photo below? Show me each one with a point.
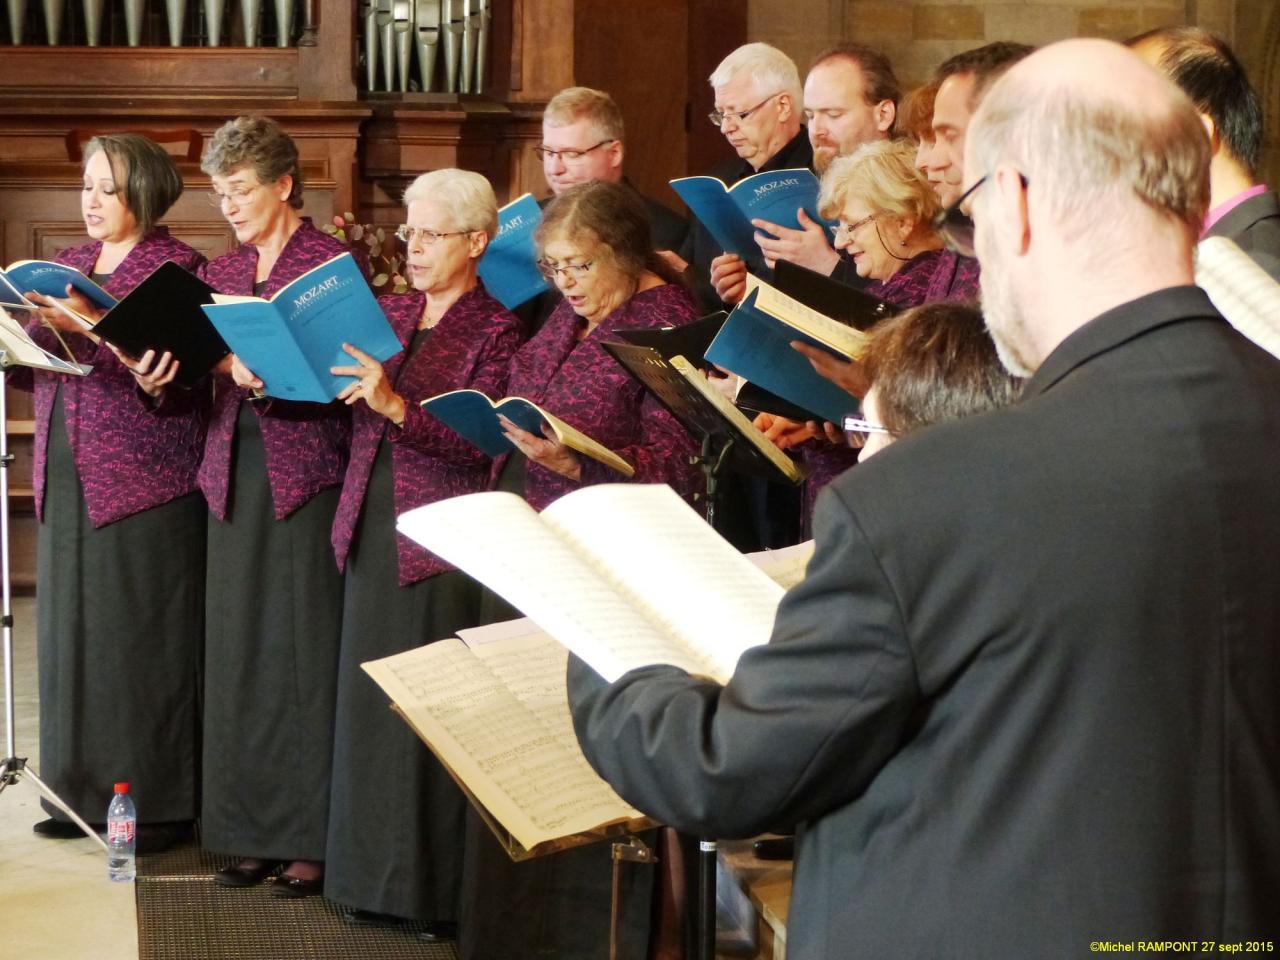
(1024, 702)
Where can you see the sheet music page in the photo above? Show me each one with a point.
(1242, 291)
(785, 567)
(500, 540)
(660, 554)
(531, 664)
(848, 340)
(526, 777)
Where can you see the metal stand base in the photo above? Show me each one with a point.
(14, 768)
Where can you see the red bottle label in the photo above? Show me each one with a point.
(120, 831)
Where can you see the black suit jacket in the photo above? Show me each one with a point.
(1027, 696)
(1255, 226)
(701, 248)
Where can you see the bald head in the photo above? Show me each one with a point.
(1091, 124)
(1097, 187)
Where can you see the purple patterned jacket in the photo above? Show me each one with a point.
(928, 278)
(305, 444)
(586, 388)
(128, 460)
(470, 348)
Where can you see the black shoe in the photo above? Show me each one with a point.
(437, 931)
(58, 829)
(295, 888)
(245, 874)
(370, 918)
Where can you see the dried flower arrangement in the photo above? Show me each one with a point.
(385, 260)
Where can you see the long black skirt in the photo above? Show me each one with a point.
(396, 816)
(273, 621)
(119, 625)
(552, 906)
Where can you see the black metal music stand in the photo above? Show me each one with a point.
(728, 442)
(13, 768)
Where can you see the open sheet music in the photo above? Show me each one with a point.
(624, 575)
(1242, 291)
(493, 707)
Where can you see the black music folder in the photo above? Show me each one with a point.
(839, 301)
(163, 313)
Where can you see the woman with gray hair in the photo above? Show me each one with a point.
(120, 571)
(395, 816)
(271, 473)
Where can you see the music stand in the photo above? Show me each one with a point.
(14, 768)
(728, 440)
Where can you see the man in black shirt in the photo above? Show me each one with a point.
(758, 109)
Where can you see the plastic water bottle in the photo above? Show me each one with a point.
(122, 833)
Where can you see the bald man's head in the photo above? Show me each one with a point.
(1097, 183)
(1096, 129)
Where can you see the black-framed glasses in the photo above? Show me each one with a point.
(575, 270)
(569, 156)
(955, 224)
(718, 117)
(408, 234)
(858, 431)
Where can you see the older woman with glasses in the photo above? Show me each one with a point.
(887, 215)
(594, 244)
(272, 471)
(395, 816)
(120, 569)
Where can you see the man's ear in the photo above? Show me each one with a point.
(886, 112)
(1211, 129)
(616, 152)
(1008, 208)
(786, 107)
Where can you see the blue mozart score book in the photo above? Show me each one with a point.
(509, 267)
(291, 340)
(727, 211)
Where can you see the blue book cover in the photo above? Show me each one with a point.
(757, 347)
(509, 267)
(51, 279)
(291, 340)
(472, 415)
(727, 211)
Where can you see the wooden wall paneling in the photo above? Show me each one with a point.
(716, 28)
(546, 43)
(327, 58)
(136, 72)
(637, 51)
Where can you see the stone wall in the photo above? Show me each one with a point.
(920, 34)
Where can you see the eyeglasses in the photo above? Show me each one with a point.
(718, 117)
(427, 237)
(568, 156)
(237, 196)
(849, 229)
(858, 431)
(575, 270)
(955, 224)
